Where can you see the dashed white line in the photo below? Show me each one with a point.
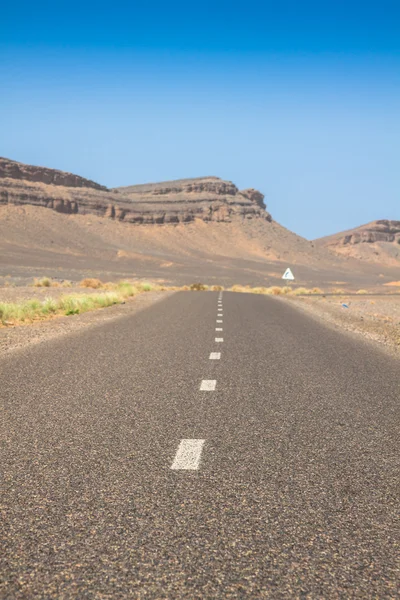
(219, 321)
(219, 339)
(215, 355)
(208, 385)
(188, 455)
(218, 329)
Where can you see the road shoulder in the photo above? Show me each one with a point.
(374, 319)
(14, 339)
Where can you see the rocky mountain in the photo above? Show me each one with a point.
(378, 241)
(202, 229)
(206, 198)
(16, 170)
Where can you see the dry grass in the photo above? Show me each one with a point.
(360, 292)
(48, 282)
(198, 287)
(14, 313)
(42, 282)
(275, 290)
(91, 282)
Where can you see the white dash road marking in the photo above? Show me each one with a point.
(208, 385)
(188, 455)
(218, 329)
(219, 321)
(219, 339)
(215, 355)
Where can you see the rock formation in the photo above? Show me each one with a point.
(16, 170)
(181, 201)
(377, 231)
(377, 242)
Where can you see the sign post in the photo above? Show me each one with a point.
(288, 275)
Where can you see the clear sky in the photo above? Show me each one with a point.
(297, 98)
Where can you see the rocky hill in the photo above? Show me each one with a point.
(16, 170)
(378, 241)
(182, 201)
(202, 229)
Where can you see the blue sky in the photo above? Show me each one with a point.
(298, 99)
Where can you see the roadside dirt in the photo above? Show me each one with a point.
(19, 337)
(19, 294)
(376, 318)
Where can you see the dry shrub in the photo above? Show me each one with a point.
(275, 290)
(316, 290)
(360, 292)
(217, 288)
(144, 286)
(42, 282)
(198, 287)
(338, 291)
(238, 288)
(301, 291)
(91, 282)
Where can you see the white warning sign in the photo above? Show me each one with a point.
(288, 274)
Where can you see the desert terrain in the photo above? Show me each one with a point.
(63, 226)
(67, 228)
(210, 432)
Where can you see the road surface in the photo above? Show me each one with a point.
(143, 458)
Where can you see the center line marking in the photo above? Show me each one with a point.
(218, 329)
(219, 339)
(219, 321)
(188, 455)
(215, 355)
(208, 385)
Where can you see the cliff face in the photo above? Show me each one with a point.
(377, 231)
(207, 198)
(16, 170)
(377, 242)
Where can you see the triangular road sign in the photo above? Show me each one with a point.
(288, 274)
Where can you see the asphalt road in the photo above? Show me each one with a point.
(124, 479)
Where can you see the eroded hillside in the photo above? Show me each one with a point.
(377, 242)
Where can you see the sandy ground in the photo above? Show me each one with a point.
(38, 242)
(15, 338)
(19, 293)
(376, 318)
